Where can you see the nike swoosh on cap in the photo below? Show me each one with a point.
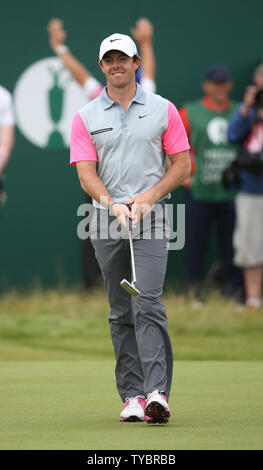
(118, 39)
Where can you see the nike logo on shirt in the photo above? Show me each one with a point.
(144, 115)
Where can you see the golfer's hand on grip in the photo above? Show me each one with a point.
(141, 206)
(121, 212)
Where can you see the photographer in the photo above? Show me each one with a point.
(246, 128)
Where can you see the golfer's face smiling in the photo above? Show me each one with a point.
(119, 68)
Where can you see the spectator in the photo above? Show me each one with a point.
(246, 128)
(206, 122)
(7, 122)
(142, 33)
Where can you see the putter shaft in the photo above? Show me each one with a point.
(129, 286)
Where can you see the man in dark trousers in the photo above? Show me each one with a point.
(206, 121)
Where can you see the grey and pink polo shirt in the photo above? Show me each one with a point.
(129, 147)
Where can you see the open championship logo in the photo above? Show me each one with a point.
(46, 98)
(217, 130)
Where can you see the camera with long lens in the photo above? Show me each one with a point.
(251, 162)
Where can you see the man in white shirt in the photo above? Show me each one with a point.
(7, 121)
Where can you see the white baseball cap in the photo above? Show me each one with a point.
(118, 42)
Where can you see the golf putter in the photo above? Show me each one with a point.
(130, 286)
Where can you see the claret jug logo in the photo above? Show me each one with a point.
(46, 98)
(217, 130)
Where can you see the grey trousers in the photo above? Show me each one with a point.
(138, 325)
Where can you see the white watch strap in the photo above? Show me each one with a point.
(61, 49)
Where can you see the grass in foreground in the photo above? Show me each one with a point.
(74, 405)
(68, 325)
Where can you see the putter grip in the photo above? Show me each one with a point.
(130, 220)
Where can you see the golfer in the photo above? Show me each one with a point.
(119, 143)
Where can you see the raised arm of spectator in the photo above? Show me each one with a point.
(6, 145)
(143, 35)
(240, 124)
(57, 38)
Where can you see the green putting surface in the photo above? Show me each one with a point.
(75, 405)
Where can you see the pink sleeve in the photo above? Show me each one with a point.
(97, 92)
(81, 146)
(174, 138)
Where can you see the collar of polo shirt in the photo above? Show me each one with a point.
(139, 97)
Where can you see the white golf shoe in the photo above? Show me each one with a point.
(157, 408)
(133, 409)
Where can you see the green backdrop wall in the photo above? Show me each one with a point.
(38, 238)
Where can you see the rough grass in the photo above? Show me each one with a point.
(69, 325)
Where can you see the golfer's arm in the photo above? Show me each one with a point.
(76, 68)
(91, 183)
(6, 144)
(179, 170)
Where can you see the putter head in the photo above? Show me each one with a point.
(129, 287)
